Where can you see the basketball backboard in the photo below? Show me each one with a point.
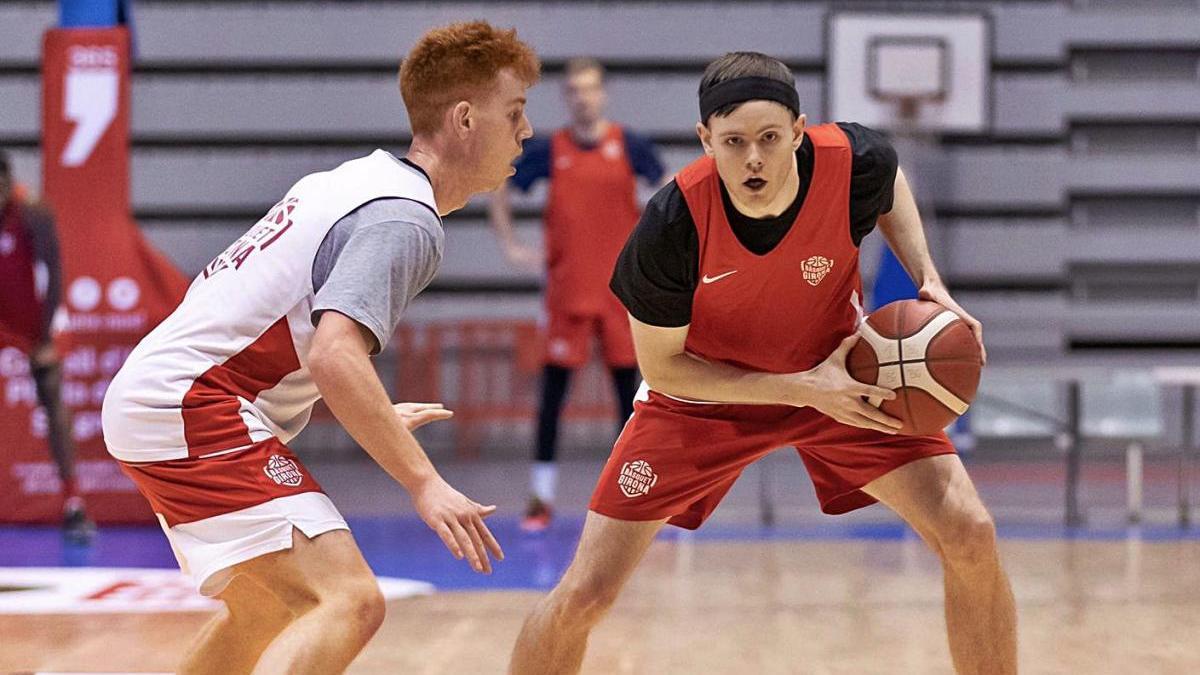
(934, 69)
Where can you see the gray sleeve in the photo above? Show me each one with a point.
(374, 261)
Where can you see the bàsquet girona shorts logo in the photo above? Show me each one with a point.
(636, 478)
(283, 471)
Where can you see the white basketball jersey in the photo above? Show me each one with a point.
(229, 366)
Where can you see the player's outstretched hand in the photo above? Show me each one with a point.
(938, 293)
(416, 415)
(458, 520)
(840, 396)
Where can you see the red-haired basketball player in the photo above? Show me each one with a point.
(30, 290)
(742, 284)
(200, 413)
(592, 166)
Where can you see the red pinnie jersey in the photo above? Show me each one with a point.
(784, 311)
(590, 211)
(20, 302)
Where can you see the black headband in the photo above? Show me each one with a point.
(742, 89)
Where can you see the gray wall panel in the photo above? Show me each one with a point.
(189, 106)
(226, 179)
(1029, 103)
(206, 106)
(306, 31)
(1046, 32)
(21, 26)
(20, 105)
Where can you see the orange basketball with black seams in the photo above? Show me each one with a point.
(927, 355)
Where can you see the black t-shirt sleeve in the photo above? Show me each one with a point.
(533, 164)
(655, 275)
(643, 157)
(872, 177)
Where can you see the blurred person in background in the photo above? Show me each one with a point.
(591, 166)
(30, 291)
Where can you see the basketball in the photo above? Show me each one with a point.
(927, 355)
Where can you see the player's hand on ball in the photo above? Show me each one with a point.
(416, 415)
(938, 293)
(841, 397)
(458, 520)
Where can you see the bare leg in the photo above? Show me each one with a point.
(237, 636)
(936, 497)
(48, 378)
(326, 585)
(554, 636)
(48, 375)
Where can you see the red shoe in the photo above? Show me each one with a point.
(537, 516)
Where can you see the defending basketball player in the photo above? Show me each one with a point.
(742, 285)
(200, 414)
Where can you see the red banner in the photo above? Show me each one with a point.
(115, 286)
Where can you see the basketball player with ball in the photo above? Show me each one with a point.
(743, 289)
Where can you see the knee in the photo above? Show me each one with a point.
(361, 603)
(968, 538)
(586, 601)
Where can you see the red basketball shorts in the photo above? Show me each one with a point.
(569, 338)
(677, 459)
(223, 510)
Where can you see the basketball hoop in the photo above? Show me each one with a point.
(908, 108)
(907, 72)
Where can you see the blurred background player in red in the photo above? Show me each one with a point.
(30, 289)
(592, 166)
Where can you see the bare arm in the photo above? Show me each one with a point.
(45, 249)
(352, 390)
(347, 381)
(828, 387)
(906, 236)
(500, 215)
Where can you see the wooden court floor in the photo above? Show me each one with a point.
(1094, 607)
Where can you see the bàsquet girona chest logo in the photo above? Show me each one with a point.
(815, 269)
(260, 237)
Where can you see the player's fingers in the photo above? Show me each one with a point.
(464, 544)
(846, 345)
(871, 391)
(977, 329)
(485, 511)
(488, 539)
(443, 531)
(877, 415)
(468, 523)
(421, 407)
(865, 422)
(418, 420)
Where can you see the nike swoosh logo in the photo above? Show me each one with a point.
(708, 280)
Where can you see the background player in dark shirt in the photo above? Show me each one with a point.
(30, 289)
(744, 293)
(592, 166)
